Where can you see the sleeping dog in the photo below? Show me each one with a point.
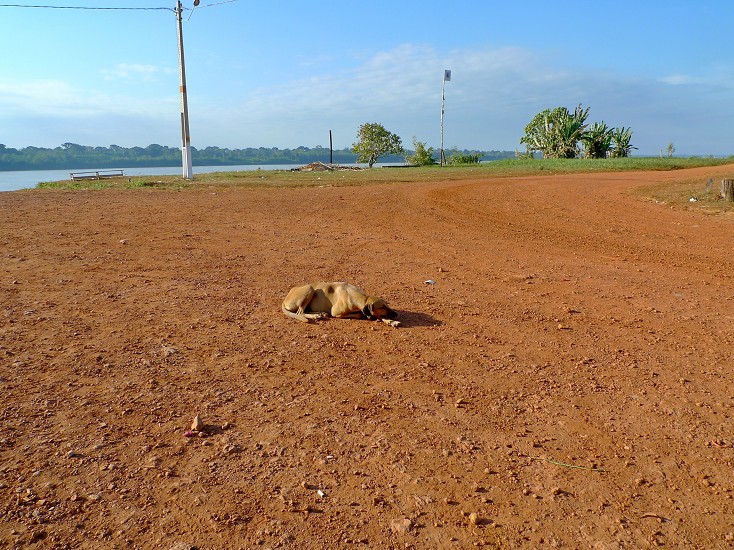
(342, 300)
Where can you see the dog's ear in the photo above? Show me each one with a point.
(367, 311)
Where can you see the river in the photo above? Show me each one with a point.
(27, 179)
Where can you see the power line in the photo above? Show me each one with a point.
(77, 7)
(48, 7)
(208, 6)
(218, 3)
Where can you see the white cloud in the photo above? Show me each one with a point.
(61, 99)
(677, 79)
(493, 93)
(401, 88)
(127, 71)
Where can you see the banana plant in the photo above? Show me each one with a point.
(598, 140)
(556, 132)
(621, 138)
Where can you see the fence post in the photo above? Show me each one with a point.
(727, 190)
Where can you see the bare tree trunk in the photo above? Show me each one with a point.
(727, 190)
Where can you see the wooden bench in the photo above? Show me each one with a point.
(96, 174)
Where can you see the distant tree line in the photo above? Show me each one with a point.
(72, 155)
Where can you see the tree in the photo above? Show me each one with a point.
(556, 133)
(463, 157)
(422, 156)
(621, 138)
(373, 141)
(597, 140)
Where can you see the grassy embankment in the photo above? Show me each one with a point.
(705, 191)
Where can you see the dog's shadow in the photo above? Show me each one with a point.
(409, 319)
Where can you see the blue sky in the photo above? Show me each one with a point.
(284, 73)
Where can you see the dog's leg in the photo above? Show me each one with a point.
(352, 315)
(391, 322)
(297, 301)
(304, 317)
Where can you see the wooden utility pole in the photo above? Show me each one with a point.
(727, 190)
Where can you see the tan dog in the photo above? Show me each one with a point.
(342, 300)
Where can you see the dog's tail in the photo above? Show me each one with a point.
(294, 315)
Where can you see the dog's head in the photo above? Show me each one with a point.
(377, 308)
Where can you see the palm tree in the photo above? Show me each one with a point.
(570, 129)
(598, 140)
(621, 138)
(556, 132)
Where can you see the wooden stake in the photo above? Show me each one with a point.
(727, 190)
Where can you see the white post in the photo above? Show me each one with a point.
(185, 135)
(446, 77)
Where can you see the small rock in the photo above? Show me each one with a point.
(229, 448)
(169, 350)
(473, 519)
(37, 536)
(197, 425)
(401, 526)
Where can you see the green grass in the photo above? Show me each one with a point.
(705, 192)
(512, 167)
(287, 178)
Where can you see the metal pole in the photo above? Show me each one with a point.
(443, 100)
(185, 135)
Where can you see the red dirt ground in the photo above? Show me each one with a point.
(566, 382)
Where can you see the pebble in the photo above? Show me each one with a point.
(197, 425)
(169, 350)
(401, 526)
(229, 448)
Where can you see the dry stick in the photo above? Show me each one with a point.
(567, 465)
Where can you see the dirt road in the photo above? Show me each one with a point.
(566, 382)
